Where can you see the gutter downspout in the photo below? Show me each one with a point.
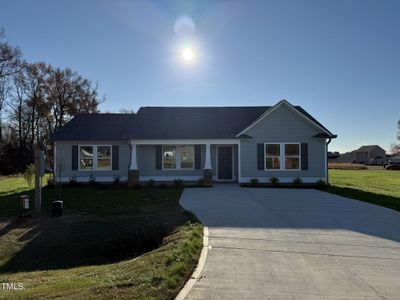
(327, 170)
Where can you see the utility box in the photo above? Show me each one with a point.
(25, 204)
(57, 208)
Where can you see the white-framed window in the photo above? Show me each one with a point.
(95, 157)
(282, 156)
(272, 156)
(292, 156)
(169, 157)
(176, 157)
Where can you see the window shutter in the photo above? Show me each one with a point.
(115, 157)
(197, 157)
(74, 158)
(260, 157)
(158, 157)
(304, 156)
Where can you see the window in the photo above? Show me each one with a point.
(104, 158)
(95, 158)
(282, 156)
(86, 157)
(169, 157)
(178, 157)
(187, 157)
(272, 156)
(292, 157)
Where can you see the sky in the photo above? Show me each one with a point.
(339, 60)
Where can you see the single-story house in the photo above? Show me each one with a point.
(369, 154)
(190, 143)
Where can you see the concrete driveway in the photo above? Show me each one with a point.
(294, 244)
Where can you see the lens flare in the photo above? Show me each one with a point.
(187, 54)
(184, 26)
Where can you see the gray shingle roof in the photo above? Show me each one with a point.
(164, 123)
(192, 122)
(369, 148)
(95, 127)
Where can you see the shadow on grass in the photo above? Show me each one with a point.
(73, 241)
(91, 237)
(373, 198)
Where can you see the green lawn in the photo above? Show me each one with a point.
(111, 243)
(381, 187)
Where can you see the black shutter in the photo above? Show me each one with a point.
(304, 156)
(115, 157)
(260, 157)
(74, 160)
(158, 156)
(197, 157)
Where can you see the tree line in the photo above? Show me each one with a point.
(35, 100)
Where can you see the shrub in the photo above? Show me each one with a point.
(92, 179)
(201, 182)
(29, 174)
(163, 186)
(72, 181)
(178, 182)
(50, 181)
(116, 179)
(150, 183)
(320, 184)
(136, 186)
(297, 181)
(254, 181)
(274, 181)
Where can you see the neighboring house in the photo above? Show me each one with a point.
(371, 155)
(190, 143)
(393, 159)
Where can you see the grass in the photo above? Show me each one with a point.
(380, 187)
(111, 243)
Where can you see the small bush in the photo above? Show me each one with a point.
(163, 186)
(254, 181)
(320, 184)
(178, 182)
(274, 181)
(116, 179)
(136, 186)
(297, 181)
(92, 179)
(29, 174)
(150, 183)
(50, 181)
(201, 182)
(72, 181)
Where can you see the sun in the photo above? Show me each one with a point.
(187, 54)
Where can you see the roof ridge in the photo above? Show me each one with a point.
(256, 106)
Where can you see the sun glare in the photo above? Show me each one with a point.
(187, 54)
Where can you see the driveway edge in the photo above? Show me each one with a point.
(196, 274)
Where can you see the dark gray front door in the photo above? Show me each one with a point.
(225, 171)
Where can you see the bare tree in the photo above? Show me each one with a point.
(10, 61)
(395, 147)
(68, 95)
(10, 57)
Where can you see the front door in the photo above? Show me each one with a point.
(225, 169)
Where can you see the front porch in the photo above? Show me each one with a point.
(187, 160)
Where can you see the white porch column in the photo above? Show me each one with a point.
(133, 165)
(208, 158)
